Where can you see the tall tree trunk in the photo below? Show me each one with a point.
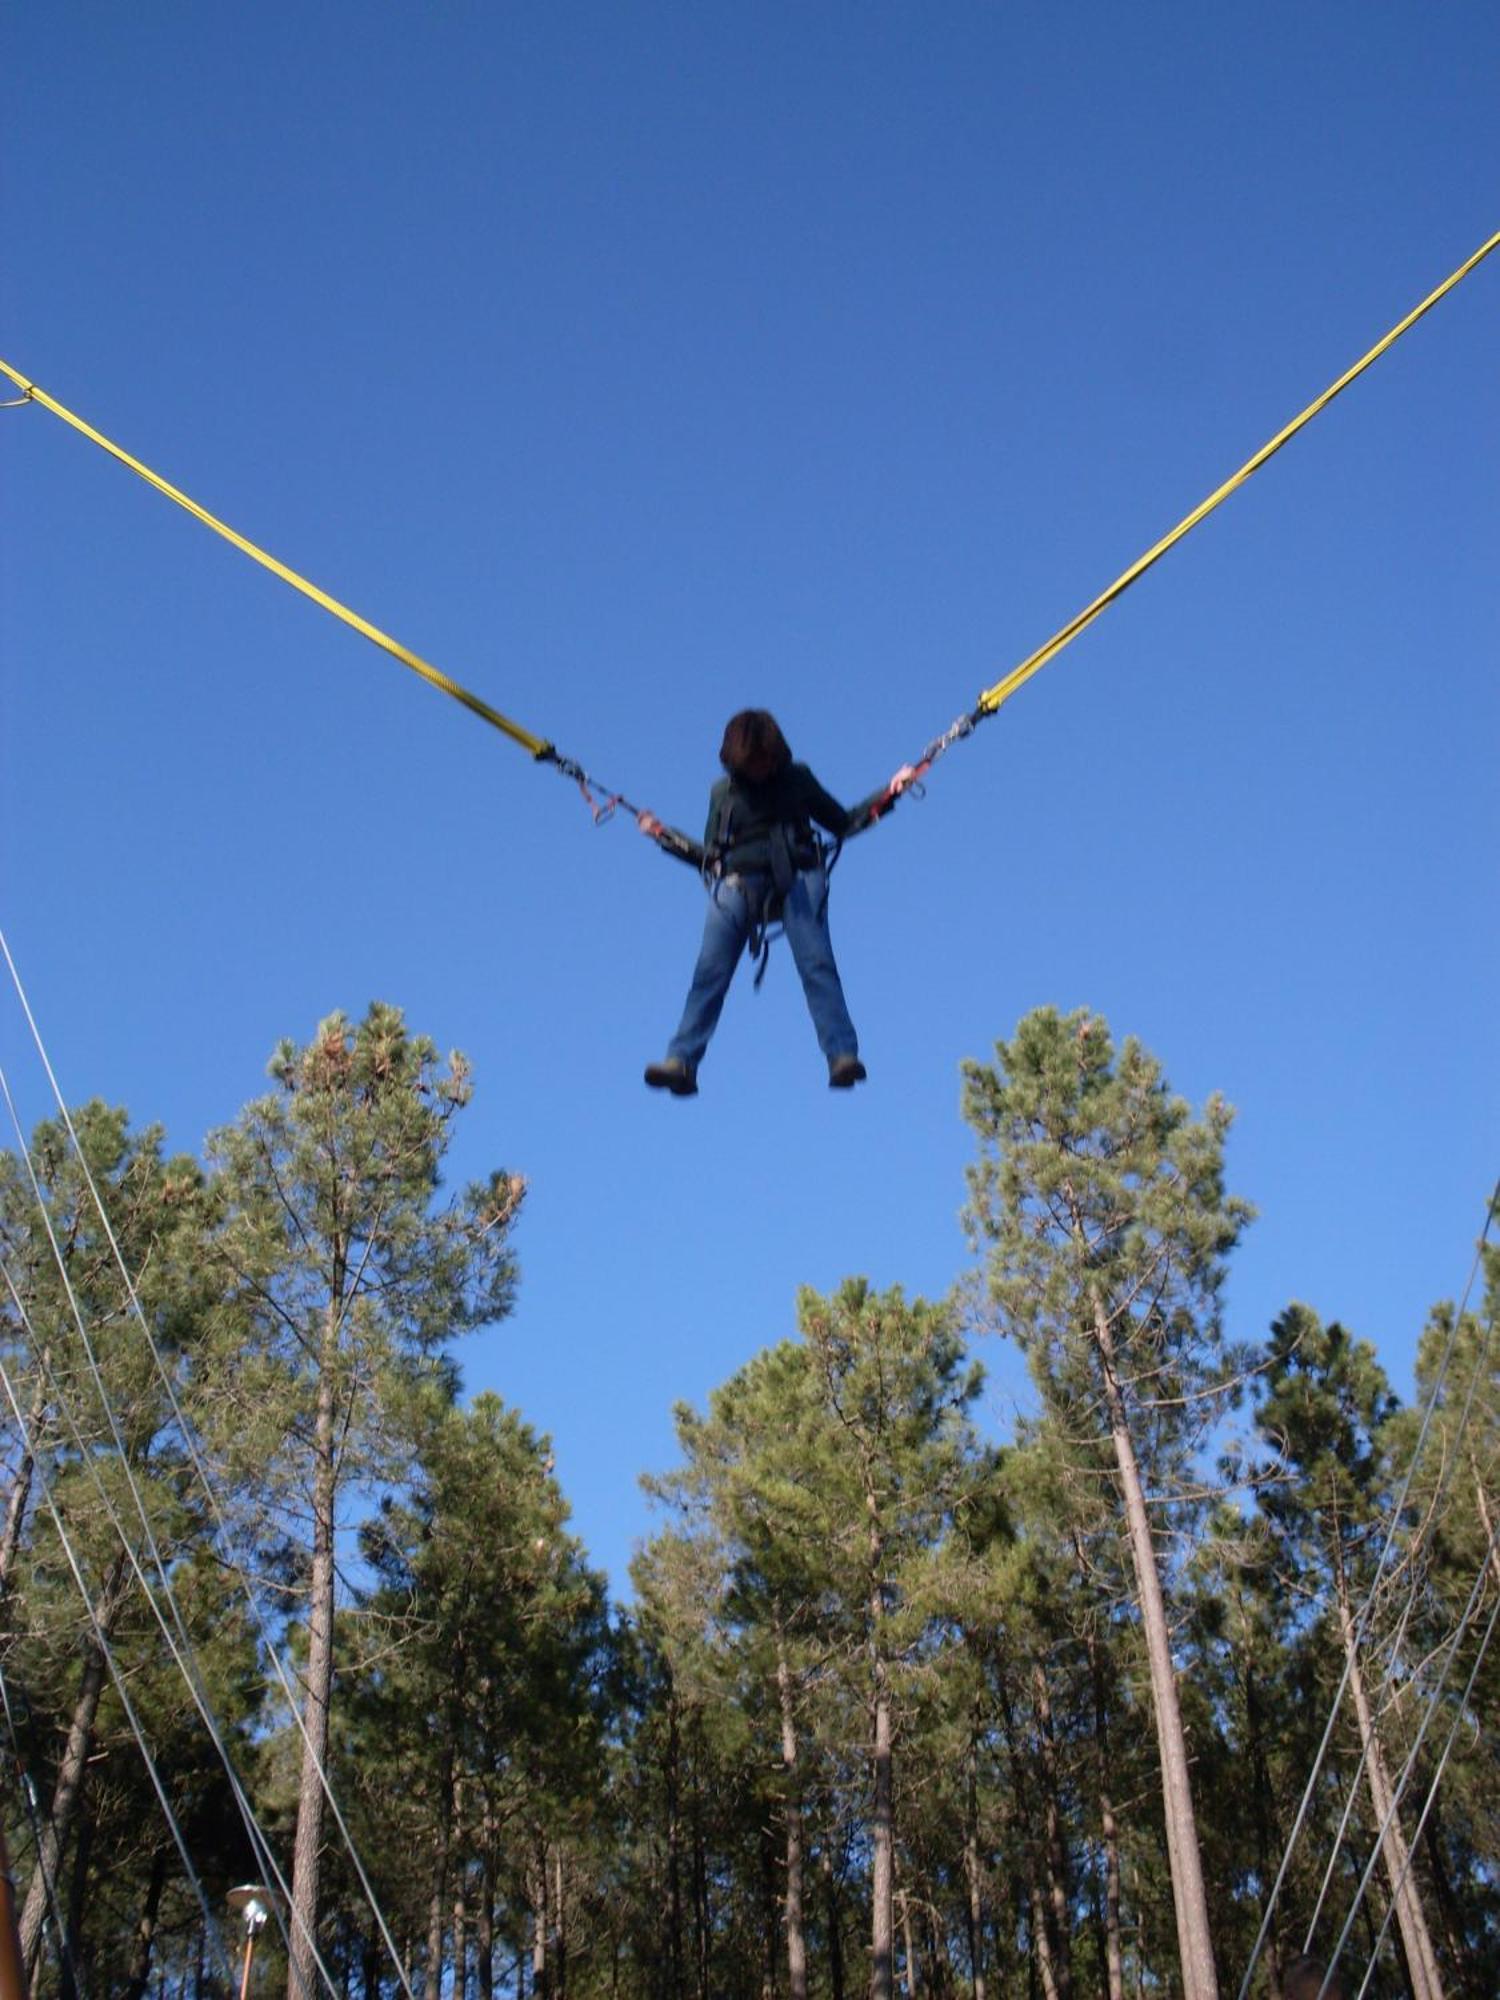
(559, 1928)
(882, 1809)
(796, 1942)
(457, 1844)
(1114, 1957)
(139, 1976)
(484, 1924)
(1449, 1905)
(539, 1969)
(1487, 1519)
(460, 1919)
(674, 1850)
(1189, 1898)
(935, 1952)
(307, 1854)
(833, 1920)
(79, 1884)
(1005, 1939)
(770, 1922)
(432, 1984)
(882, 1843)
(913, 1976)
(1421, 1960)
(1050, 1948)
(1041, 1943)
(1269, 1844)
(702, 1927)
(20, 1492)
(1058, 1895)
(974, 1901)
(67, 1791)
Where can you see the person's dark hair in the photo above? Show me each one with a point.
(754, 747)
(1305, 1981)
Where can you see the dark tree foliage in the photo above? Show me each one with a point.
(886, 1712)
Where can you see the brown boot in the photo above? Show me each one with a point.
(844, 1072)
(673, 1074)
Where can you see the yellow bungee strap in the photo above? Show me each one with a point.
(990, 699)
(434, 676)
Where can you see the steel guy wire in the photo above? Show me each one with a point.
(1398, 1789)
(107, 1653)
(1432, 1790)
(1369, 1602)
(54, 1924)
(186, 1432)
(1460, 1431)
(1397, 1639)
(1336, 1847)
(1408, 1770)
(185, 1656)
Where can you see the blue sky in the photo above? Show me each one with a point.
(637, 363)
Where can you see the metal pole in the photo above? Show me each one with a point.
(253, 1903)
(249, 1957)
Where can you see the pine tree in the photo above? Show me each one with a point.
(1455, 1507)
(820, 1487)
(1326, 1409)
(739, 1592)
(99, 1449)
(343, 1282)
(1103, 1202)
(899, 1461)
(474, 1734)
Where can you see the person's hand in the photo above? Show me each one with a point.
(649, 824)
(904, 777)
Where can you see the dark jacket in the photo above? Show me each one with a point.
(745, 821)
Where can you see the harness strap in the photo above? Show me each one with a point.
(769, 921)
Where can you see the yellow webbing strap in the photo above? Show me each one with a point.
(537, 745)
(989, 700)
(992, 697)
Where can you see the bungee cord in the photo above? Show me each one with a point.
(186, 1434)
(993, 697)
(990, 699)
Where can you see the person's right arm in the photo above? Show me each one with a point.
(672, 840)
(841, 821)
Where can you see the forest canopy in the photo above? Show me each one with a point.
(897, 1703)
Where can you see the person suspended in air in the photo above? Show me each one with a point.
(765, 865)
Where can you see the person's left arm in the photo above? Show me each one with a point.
(670, 839)
(842, 821)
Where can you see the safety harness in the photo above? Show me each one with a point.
(793, 848)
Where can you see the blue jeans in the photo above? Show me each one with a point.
(734, 908)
